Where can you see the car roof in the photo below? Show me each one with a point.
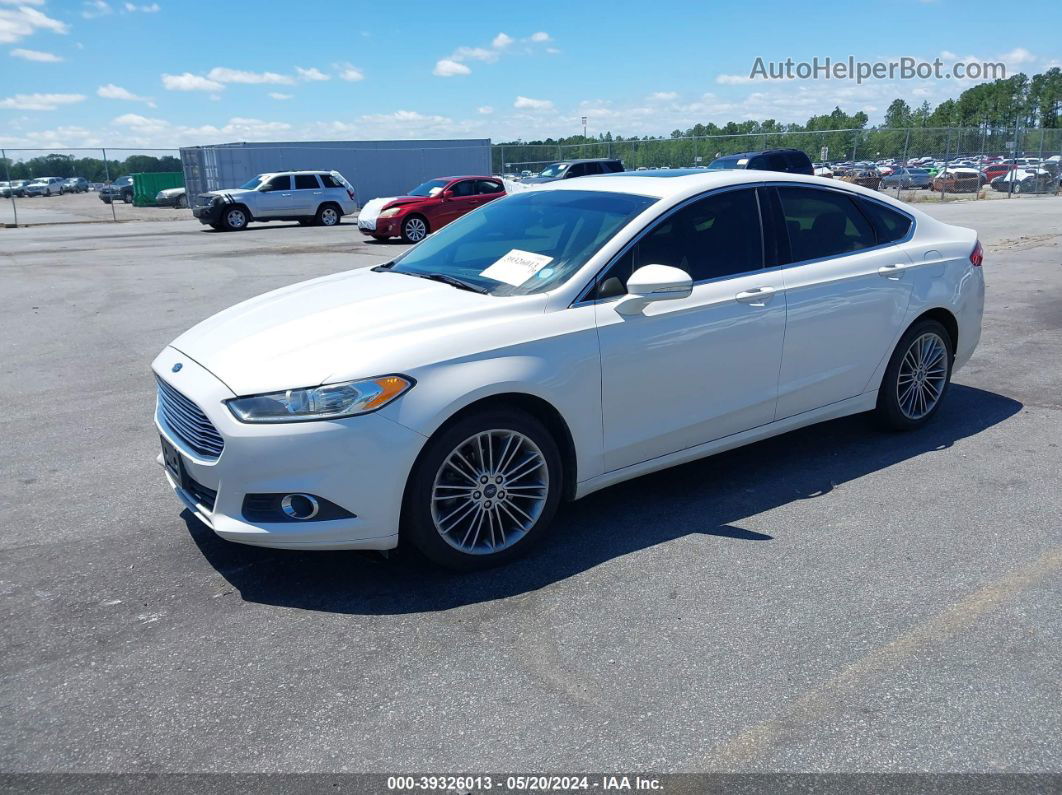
(679, 183)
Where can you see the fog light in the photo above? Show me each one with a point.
(299, 506)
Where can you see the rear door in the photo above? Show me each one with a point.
(488, 190)
(846, 295)
(307, 194)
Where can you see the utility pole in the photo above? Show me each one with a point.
(584, 129)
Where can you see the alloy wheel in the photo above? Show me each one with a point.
(489, 492)
(329, 217)
(236, 219)
(922, 376)
(416, 230)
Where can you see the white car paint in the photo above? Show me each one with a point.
(733, 361)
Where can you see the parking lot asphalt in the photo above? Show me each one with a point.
(834, 599)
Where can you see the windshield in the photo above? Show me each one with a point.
(728, 162)
(554, 170)
(252, 184)
(433, 187)
(525, 243)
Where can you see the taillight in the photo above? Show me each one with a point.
(350, 193)
(977, 256)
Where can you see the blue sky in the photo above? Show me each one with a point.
(160, 73)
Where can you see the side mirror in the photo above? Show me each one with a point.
(654, 283)
(447, 194)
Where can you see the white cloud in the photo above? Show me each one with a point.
(311, 74)
(190, 82)
(35, 55)
(733, 80)
(278, 95)
(223, 74)
(90, 9)
(21, 2)
(111, 91)
(663, 96)
(454, 64)
(450, 68)
(1018, 55)
(150, 8)
(40, 101)
(349, 73)
(527, 103)
(485, 110)
(24, 21)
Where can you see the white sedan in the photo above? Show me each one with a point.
(556, 342)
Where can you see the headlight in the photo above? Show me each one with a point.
(327, 402)
(390, 213)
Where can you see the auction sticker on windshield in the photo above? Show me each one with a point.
(516, 267)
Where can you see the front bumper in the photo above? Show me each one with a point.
(208, 214)
(359, 463)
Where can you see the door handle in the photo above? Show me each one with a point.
(317, 193)
(758, 296)
(893, 271)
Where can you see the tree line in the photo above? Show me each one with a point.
(1017, 113)
(93, 169)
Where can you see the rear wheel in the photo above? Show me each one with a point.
(483, 491)
(182, 202)
(917, 377)
(328, 215)
(234, 219)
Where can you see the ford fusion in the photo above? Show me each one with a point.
(555, 342)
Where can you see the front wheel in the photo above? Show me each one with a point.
(181, 203)
(483, 491)
(234, 219)
(917, 377)
(414, 229)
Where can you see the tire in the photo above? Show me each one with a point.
(1017, 187)
(127, 198)
(234, 218)
(917, 378)
(217, 227)
(491, 533)
(414, 229)
(181, 203)
(328, 215)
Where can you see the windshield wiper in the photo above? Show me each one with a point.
(445, 278)
(384, 267)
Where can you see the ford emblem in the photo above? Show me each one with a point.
(177, 367)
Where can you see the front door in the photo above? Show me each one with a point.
(688, 371)
(275, 198)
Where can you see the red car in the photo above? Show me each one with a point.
(997, 170)
(427, 208)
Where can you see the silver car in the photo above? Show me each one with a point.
(309, 197)
(46, 186)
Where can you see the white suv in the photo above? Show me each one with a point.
(309, 197)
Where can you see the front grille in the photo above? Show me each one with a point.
(188, 422)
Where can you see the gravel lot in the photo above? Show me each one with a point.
(834, 599)
(81, 208)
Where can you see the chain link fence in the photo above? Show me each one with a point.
(49, 186)
(56, 186)
(939, 151)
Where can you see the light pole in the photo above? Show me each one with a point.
(584, 128)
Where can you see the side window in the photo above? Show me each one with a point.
(280, 183)
(717, 236)
(798, 163)
(306, 182)
(889, 224)
(593, 168)
(330, 181)
(613, 167)
(488, 186)
(465, 187)
(576, 170)
(823, 223)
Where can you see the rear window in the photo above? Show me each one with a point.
(888, 223)
(330, 181)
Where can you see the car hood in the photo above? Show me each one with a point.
(538, 180)
(349, 325)
(171, 191)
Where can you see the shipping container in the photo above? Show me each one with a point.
(374, 168)
(147, 185)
